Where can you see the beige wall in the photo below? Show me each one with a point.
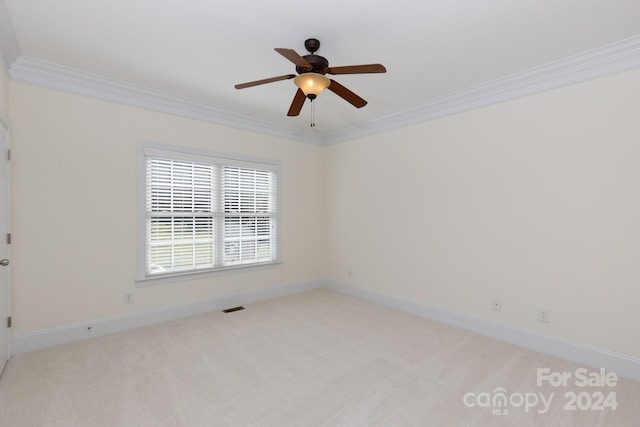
(535, 202)
(74, 208)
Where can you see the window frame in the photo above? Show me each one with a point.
(148, 149)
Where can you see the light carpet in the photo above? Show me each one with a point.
(317, 358)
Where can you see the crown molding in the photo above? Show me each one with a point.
(614, 58)
(9, 48)
(57, 77)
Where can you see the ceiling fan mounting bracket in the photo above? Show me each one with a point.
(312, 45)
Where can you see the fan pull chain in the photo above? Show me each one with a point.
(313, 115)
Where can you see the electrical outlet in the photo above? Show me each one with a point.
(128, 297)
(496, 305)
(543, 316)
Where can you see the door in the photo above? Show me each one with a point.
(4, 246)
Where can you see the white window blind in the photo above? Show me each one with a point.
(207, 213)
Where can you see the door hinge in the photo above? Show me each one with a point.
(8, 154)
(9, 322)
(8, 238)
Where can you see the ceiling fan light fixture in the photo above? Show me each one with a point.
(312, 83)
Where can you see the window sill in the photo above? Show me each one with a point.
(194, 275)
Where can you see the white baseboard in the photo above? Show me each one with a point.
(69, 333)
(622, 365)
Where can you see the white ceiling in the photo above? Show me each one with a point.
(199, 49)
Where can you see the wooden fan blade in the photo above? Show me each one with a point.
(357, 69)
(346, 94)
(264, 81)
(293, 56)
(298, 102)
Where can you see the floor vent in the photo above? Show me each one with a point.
(231, 310)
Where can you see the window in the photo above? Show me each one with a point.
(205, 212)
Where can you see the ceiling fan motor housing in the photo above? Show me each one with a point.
(318, 63)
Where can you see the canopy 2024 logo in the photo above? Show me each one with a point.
(593, 398)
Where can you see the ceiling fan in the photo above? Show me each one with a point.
(311, 79)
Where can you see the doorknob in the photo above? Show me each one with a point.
(4, 262)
